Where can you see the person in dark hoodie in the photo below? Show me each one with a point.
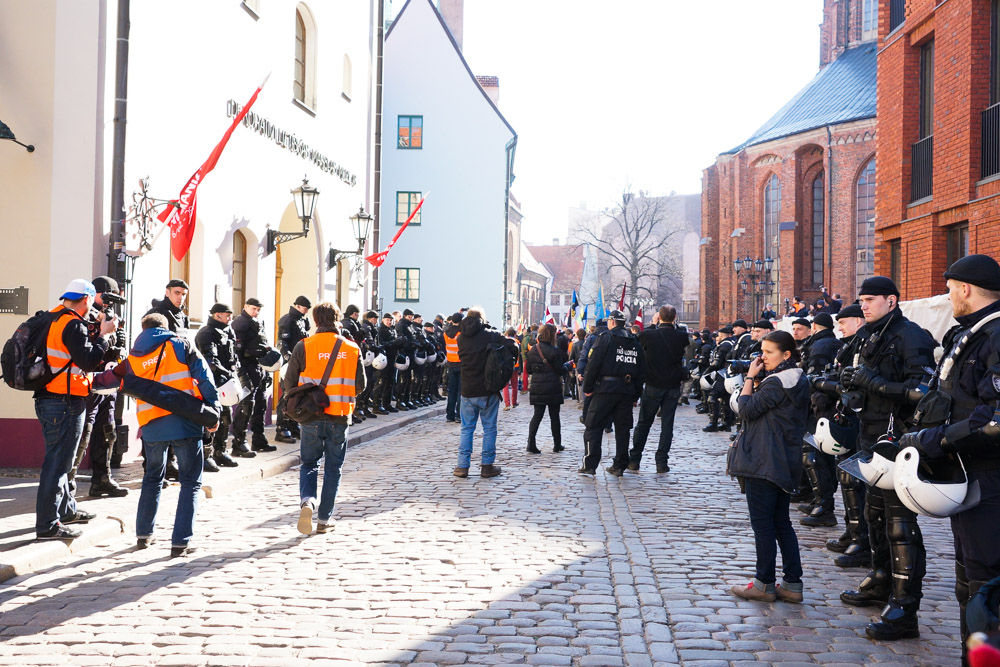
(292, 327)
(773, 401)
(178, 359)
(478, 403)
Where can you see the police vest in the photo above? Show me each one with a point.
(340, 387)
(451, 348)
(161, 365)
(73, 381)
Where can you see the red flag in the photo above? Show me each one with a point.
(638, 319)
(379, 257)
(548, 317)
(182, 212)
(621, 301)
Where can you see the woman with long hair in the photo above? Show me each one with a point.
(766, 457)
(546, 364)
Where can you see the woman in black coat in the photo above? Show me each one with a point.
(767, 458)
(546, 363)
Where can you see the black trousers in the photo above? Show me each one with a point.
(536, 420)
(250, 411)
(603, 408)
(387, 381)
(98, 433)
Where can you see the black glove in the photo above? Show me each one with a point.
(867, 379)
(847, 375)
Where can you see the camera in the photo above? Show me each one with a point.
(739, 366)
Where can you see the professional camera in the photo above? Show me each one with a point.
(742, 366)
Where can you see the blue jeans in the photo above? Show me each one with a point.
(454, 392)
(190, 464)
(768, 507)
(483, 408)
(62, 424)
(664, 401)
(319, 439)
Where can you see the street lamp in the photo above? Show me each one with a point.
(360, 223)
(304, 197)
(756, 278)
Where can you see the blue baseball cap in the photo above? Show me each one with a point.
(79, 288)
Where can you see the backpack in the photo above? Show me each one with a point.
(24, 359)
(499, 365)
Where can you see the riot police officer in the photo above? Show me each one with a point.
(896, 357)
(718, 405)
(292, 327)
(350, 327)
(613, 379)
(217, 343)
(742, 340)
(251, 346)
(389, 343)
(369, 348)
(966, 398)
(405, 346)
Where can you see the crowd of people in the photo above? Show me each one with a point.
(870, 411)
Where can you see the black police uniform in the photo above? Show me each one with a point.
(369, 344)
(292, 327)
(614, 375)
(251, 345)
(389, 342)
(897, 356)
(177, 320)
(351, 329)
(718, 399)
(404, 379)
(217, 343)
(820, 468)
(663, 349)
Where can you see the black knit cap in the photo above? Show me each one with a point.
(853, 310)
(824, 320)
(254, 301)
(177, 282)
(801, 320)
(878, 286)
(387, 316)
(370, 314)
(304, 302)
(407, 312)
(726, 330)
(457, 317)
(220, 308)
(741, 323)
(979, 270)
(763, 324)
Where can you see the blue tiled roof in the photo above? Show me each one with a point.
(843, 91)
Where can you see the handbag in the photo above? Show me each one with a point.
(308, 402)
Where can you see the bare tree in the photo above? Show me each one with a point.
(638, 242)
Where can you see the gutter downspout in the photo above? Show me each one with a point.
(116, 241)
(509, 149)
(377, 179)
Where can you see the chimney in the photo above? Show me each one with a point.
(491, 85)
(453, 12)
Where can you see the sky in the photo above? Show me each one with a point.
(644, 93)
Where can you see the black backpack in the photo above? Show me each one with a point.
(499, 365)
(24, 359)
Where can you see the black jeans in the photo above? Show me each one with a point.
(454, 391)
(772, 529)
(664, 401)
(536, 420)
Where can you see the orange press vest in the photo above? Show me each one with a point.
(340, 387)
(171, 372)
(451, 348)
(73, 381)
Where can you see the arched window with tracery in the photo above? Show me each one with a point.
(864, 223)
(772, 213)
(817, 229)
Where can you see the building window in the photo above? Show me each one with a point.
(348, 77)
(869, 20)
(411, 132)
(304, 80)
(922, 156)
(896, 261)
(299, 87)
(995, 53)
(991, 115)
(407, 284)
(405, 203)
(817, 230)
(958, 242)
(897, 13)
(239, 269)
(772, 211)
(865, 223)
(927, 89)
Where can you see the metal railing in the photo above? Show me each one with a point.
(897, 12)
(991, 141)
(922, 172)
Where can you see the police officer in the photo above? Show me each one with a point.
(217, 343)
(251, 345)
(432, 374)
(973, 384)
(350, 327)
(614, 380)
(419, 362)
(292, 327)
(389, 342)
(896, 357)
(742, 340)
(370, 348)
(820, 469)
(718, 403)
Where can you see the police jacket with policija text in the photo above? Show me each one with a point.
(297, 363)
(664, 348)
(974, 387)
(217, 343)
(616, 365)
(251, 342)
(176, 319)
(292, 327)
(902, 355)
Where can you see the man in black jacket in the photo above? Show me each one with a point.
(664, 349)
(718, 397)
(350, 327)
(292, 327)
(251, 345)
(172, 306)
(405, 346)
(613, 378)
(217, 343)
(389, 344)
(369, 348)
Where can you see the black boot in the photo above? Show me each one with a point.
(209, 465)
(906, 547)
(222, 459)
(259, 443)
(873, 591)
(240, 450)
(105, 486)
(857, 554)
(819, 517)
(284, 435)
(401, 407)
(840, 544)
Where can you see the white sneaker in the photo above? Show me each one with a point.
(306, 519)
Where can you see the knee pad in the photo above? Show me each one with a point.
(809, 456)
(904, 531)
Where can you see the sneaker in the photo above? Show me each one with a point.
(305, 524)
(755, 591)
(587, 471)
(489, 470)
(78, 517)
(460, 472)
(617, 472)
(60, 532)
(322, 528)
(787, 593)
(180, 552)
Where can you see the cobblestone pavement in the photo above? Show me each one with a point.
(538, 566)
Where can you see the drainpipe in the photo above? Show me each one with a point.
(116, 241)
(377, 180)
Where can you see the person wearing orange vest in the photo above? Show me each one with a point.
(61, 407)
(325, 436)
(162, 356)
(454, 368)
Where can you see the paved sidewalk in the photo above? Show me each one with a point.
(538, 566)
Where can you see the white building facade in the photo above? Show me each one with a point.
(442, 134)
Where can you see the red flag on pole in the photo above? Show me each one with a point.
(379, 257)
(621, 301)
(181, 213)
(638, 319)
(548, 317)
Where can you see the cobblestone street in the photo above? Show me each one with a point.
(538, 566)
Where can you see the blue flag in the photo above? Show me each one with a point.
(585, 316)
(599, 308)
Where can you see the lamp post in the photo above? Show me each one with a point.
(304, 197)
(361, 223)
(756, 282)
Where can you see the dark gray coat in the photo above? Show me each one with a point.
(769, 445)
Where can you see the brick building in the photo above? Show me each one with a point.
(939, 138)
(801, 189)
